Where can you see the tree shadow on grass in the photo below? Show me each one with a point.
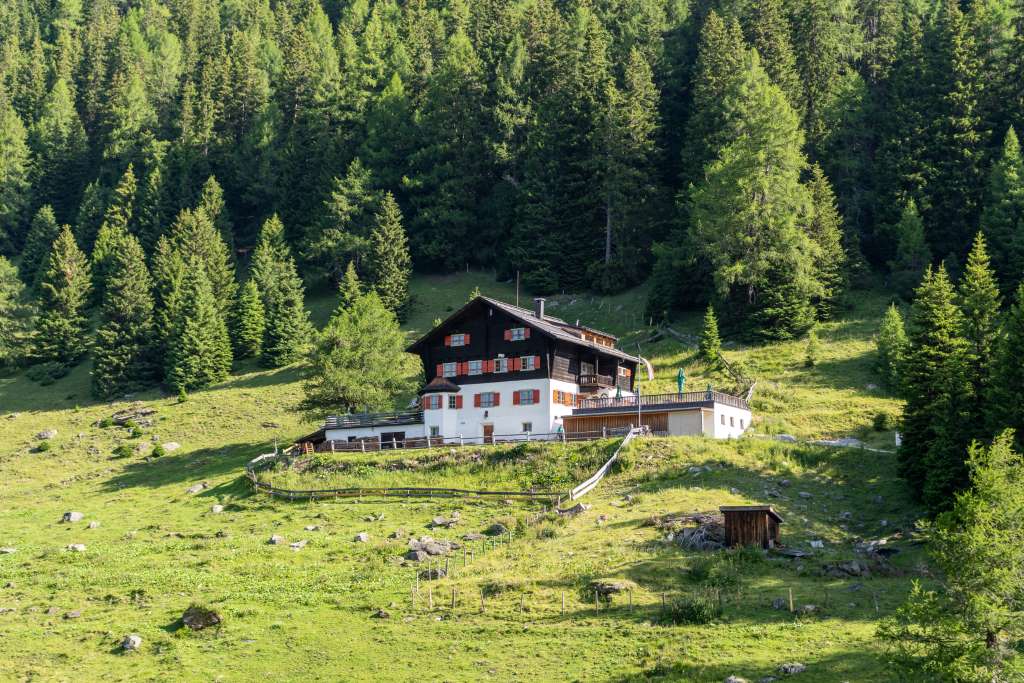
(192, 467)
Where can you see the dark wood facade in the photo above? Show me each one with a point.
(591, 424)
(751, 525)
(589, 363)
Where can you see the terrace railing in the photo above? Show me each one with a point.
(372, 444)
(693, 397)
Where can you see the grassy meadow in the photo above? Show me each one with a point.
(308, 613)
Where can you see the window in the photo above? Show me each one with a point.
(527, 427)
(453, 402)
(723, 419)
(624, 372)
(526, 397)
(449, 369)
(501, 365)
(461, 339)
(563, 398)
(432, 402)
(741, 424)
(732, 421)
(528, 363)
(435, 430)
(476, 367)
(488, 399)
(517, 334)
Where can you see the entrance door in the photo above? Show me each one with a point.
(488, 433)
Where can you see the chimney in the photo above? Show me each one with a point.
(538, 307)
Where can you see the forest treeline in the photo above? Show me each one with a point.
(760, 153)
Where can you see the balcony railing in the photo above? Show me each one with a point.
(596, 381)
(396, 418)
(688, 397)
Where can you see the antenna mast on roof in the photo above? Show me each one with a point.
(517, 288)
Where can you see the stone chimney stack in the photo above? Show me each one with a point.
(538, 307)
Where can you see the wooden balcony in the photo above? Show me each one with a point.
(596, 382)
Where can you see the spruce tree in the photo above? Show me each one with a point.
(211, 202)
(813, 349)
(114, 229)
(763, 259)
(823, 33)
(912, 253)
(41, 236)
(288, 330)
(389, 263)
(934, 386)
(980, 303)
(825, 228)
(123, 360)
(350, 288)
(60, 149)
(710, 346)
(769, 32)
(359, 361)
(199, 353)
(891, 343)
(1002, 220)
(62, 329)
(1006, 397)
(248, 322)
(342, 235)
(14, 175)
(195, 234)
(15, 316)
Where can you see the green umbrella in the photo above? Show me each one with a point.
(680, 381)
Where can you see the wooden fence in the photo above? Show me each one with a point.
(373, 444)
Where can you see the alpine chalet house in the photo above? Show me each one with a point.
(499, 372)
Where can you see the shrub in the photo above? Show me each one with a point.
(546, 532)
(884, 422)
(701, 607)
(122, 451)
(182, 395)
(106, 422)
(47, 373)
(43, 447)
(158, 451)
(498, 586)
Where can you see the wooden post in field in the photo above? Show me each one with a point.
(417, 575)
(662, 602)
(464, 552)
(446, 566)
(563, 603)
(413, 591)
(453, 598)
(790, 599)
(630, 599)
(362, 445)
(522, 602)
(430, 598)
(596, 605)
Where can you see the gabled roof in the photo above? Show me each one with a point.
(440, 385)
(548, 325)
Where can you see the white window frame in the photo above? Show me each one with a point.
(476, 367)
(523, 363)
(501, 364)
(487, 399)
(518, 334)
(523, 393)
(453, 402)
(527, 427)
(435, 430)
(458, 339)
(723, 418)
(449, 369)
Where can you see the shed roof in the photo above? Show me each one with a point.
(752, 508)
(440, 385)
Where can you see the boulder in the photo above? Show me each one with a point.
(432, 574)
(171, 446)
(444, 522)
(72, 517)
(473, 537)
(196, 488)
(788, 438)
(217, 509)
(499, 529)
(805, 494)
(780, 603)
(77, 548)
(276, 540)
(398, 534)
(131, 642)
(606, 588)
(362, 537)
(576, 509)
(792, 668)
(73, 614)
(94, 524)
(8, 550)
(735, 679)
(380, 614)
(46, 434)
(312, 527)
(416, 555)
(197, 618)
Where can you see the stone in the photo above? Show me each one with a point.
(433, 548)
(444, 522)
(8, 550)
(871, 386)
(576, 509)
(734, 491)
(398, 534)
(735, 679)
(362, 537)
(784, 483)
(73, 614)
(77, 548)
(131, 642)
(197, 618)
(312, 527)
(788, 438)
(380, 614)
(805, 494)
(94, 524)
(298, 545)
(46, 434)
(276, 540)
(217, 509)
(72, 517)
(171, 446)
(606, 588)
(817, 544)
(792, 668)
(473, 537)
(416, 555)
(808, 609)
(53, 611)
(780, 603)
(432, 574)
(499, 529)
(196, 488)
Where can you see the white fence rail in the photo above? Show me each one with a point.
(587, 486)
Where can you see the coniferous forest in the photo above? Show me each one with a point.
(175, 173)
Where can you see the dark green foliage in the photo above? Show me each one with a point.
(114, 229)
(123, 360)
(199, 352)
(61, 331)
(194, 234)
(288, 332)
(912, 253)
(343, 234)
(15, 315)
(14, 175)
(388, 260)
(1002, 220)
(962, 626)
(812, 350)
(350, 288)
(359, 362)
(59, 147)
(710, 346)
(768, 31)
(1006, 402)
(934, 383)
(248, 323)
(42, 233)
(892, 346)
(825, 229)
(980, 302)
(700, 607)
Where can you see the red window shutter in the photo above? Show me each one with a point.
(515, 398)
(526, 333)
(461, 369)
(448, 340)
(440, 369)
(465, 339)
(536, 395)
(476, 400)
(508, 335)
(458, 401)
(515, 363)
(497, 398)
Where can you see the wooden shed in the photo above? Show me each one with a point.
(751, 525)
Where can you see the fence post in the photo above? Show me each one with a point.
(430, 597)
(481, 601)
(428, 441)
(791, 600)
(453, 598)
(522, 602)
(362, 445)
(563, 603)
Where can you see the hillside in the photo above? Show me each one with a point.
(307, 613)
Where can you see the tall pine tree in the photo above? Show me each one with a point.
(41, 236)
(199, 353)
(248, 324)
(1002, 220)
(1006, 397)
(14, 176)
(912, 253)
(62, 329)
(389, 263)
(288, 330)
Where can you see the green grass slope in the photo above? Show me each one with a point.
(308, 613)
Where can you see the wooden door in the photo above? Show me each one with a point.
(488, 433)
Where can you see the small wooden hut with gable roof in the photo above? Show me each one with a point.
(751, 525)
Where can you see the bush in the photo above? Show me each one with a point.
(719, 571)
(546, 532)
(158, 451)
(106, 422)
(884, 422)
(43, 447)
(701, 607)
(47, 373)
(122, 451)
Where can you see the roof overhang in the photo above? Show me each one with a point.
(753, 508)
